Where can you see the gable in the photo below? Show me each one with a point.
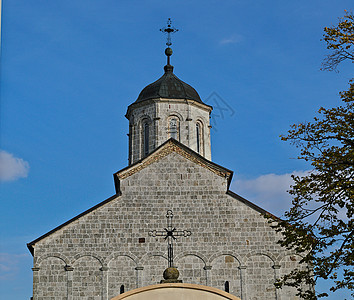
(172, 146)
(181, 169)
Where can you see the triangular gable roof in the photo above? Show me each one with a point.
(173, 145)
(166, 148)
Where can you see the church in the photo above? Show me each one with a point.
(218, 241)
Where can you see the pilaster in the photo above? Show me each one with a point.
(69, 271)
(243, 282)
(104, 271)
(35, 282)
(139, 276)
(277, 276)
(207, 274)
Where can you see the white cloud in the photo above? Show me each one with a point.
(231, 39)
(9, 265)
(268, 191)
(12, 168)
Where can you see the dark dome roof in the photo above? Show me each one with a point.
(169, 86)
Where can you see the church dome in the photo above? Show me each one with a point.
(169, 86)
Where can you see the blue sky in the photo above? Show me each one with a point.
(69, 69)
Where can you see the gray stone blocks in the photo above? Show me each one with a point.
(94, 255)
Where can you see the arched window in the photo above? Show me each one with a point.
(197, 127)
(173, 128)
(122, 289)
(199, 137)
(146, 138)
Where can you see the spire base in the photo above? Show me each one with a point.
(168, 68)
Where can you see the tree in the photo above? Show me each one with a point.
(339, 39)
(319, 225)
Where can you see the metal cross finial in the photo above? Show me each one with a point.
(170, 233)
(169, 29)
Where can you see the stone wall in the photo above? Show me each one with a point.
(157, 113)
(140, 115)
(94, 255)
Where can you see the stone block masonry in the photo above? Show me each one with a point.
(157, 114)
(94, 255)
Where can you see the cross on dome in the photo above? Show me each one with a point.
(168, 30)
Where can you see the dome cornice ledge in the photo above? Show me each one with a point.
(198, 104)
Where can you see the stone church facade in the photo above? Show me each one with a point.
(107, 249)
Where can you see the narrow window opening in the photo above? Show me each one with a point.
(198, 137)
(227, 286)
(146, 139)
(122, 289)
(173, 128)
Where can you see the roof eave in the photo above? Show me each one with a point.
(201, 104)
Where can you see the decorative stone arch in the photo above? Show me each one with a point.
(271, 256)
(192, 267)
(143, 118)
(122, 273)
(153, 265)
(287, 263)
(175, 114)
(226, 272)
(145, 135)
(201, 119)
(282, 256)
(260, 275)
(114, 255)
(51, 277)
(199, 255)
(88, 254)
(146, 257)
(200, 135)
(60, 256)
(226, 253)
(169, 127)
(88, 276)
(290, 261)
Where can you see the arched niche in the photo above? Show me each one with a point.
(173, 127)
(287, 264)
(260, 277)
(52, 279)
(226, 268)
(154, 265)
(87, 278)
(191, 269)
(121, 272)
